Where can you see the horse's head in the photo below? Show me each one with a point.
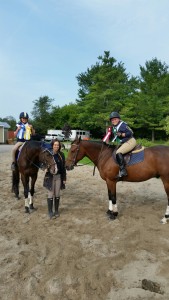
(73, 154)
(47, 161)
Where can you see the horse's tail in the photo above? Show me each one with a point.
(15, 182)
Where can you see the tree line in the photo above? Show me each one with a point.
(142, 101)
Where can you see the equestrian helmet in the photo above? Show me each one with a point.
(114, 114)
(24, 115)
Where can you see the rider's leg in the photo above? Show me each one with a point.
(124, 148)
(120, 160)
(16, 146)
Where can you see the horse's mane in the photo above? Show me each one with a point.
(99, 142)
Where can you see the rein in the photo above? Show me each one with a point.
(75, 157)
(38, 167)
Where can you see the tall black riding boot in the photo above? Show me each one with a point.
(120, 160)
(56, 203)
(50, 206)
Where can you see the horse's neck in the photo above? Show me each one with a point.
(33, 152)
(93, 151)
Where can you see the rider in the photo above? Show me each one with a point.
(23, 132)
(123, 135)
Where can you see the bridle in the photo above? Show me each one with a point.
(73, 160)
(44, 164)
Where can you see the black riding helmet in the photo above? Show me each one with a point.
(114, 114)
(24, 115)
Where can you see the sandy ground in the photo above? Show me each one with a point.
(82, 255)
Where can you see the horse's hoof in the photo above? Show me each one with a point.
(109, 212)
(27, 210)
(163, 220)
(112, 217)
(32, 207)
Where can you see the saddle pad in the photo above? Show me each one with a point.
(47, 145)
(18, 152)
(136, 158)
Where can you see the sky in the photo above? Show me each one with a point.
(46, 44)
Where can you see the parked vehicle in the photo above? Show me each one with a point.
(85, 135)
(49, 137)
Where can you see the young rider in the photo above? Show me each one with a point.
(123, 135)
(23, 132)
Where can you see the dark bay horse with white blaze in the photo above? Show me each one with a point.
(32, 157)
(155, 164)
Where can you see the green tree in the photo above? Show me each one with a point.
(67, 114)
(67, 130)
(103, 88)
(11, 121)
(153, 102)
(42, 114)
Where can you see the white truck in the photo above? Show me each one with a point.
(54, 134)
(54, 131)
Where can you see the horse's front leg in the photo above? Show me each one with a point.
(25, 182)
(112, 211)
(166, 186)
(32, 191)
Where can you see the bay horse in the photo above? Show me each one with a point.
(32, 156)
(154, 164)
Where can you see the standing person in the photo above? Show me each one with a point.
(123, 135)
(23, 132)
(54, 183)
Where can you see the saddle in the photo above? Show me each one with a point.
(127, 156)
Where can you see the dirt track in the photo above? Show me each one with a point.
(82, 255)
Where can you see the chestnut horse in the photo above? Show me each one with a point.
(33, 156)
(154, 164)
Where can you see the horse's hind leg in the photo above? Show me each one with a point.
(166, 187)
(15, 183)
